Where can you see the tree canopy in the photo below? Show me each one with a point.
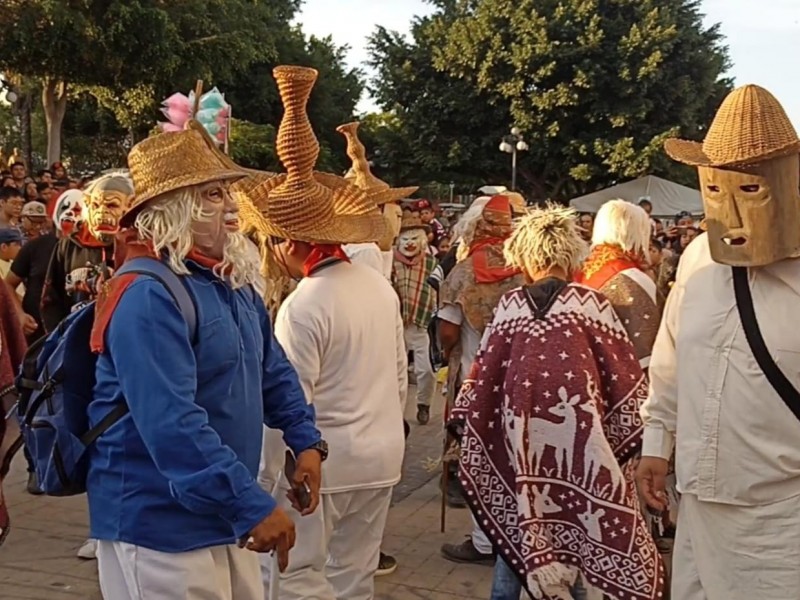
(595, 85)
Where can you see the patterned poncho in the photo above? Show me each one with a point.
(552, 418)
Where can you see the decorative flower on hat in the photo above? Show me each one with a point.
(213, 113)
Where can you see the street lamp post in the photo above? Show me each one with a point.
(512, 144)
(452, 190)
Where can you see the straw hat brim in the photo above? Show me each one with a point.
(386, 196)
(692, 154)
(179, 183)
(253, 200)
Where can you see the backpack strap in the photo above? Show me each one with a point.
(175, 286)
(773, 373)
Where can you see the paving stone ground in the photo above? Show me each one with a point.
(38, 561)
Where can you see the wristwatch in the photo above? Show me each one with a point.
(321, 447)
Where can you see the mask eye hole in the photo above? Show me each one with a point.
(750, 188)
(714, 189)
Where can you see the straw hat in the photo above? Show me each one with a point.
(172, 161)
(411, 221)
(750, 127)
(301, 204)
(360, 174)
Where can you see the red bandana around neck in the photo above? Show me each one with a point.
(488, 262)
(603, 263)
(322, 253)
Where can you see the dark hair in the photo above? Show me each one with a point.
(656, 220)
(62, 183)
(9, 192)
(644, 201)
(18, 164)
(42, 186)
(41, 173)
(657, 243)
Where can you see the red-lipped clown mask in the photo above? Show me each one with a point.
(753, 213)
(220, 217)
(69, 211)
(412, 242)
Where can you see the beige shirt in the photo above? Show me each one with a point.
(736, 441)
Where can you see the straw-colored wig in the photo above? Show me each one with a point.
(545, 238)
(622, 224)
(464, 230)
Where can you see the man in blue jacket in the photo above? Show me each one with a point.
(173, 497)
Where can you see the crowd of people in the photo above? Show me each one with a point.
(251, 335)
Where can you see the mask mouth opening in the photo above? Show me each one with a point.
(735, 241)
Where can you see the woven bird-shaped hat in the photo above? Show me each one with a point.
(302, 204)
(361, 175)
(750, 127)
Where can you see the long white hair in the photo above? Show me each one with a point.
(464, 230)
(622, 224)
(167, 223)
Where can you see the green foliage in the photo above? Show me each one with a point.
(595, 85)
(437, 127)
(253, 145)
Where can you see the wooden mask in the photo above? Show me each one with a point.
(753, 213)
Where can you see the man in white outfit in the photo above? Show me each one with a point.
(342, 332)
(726, 368)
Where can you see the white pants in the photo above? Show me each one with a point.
(726, 552)
(479, 539)
(129, 572)
(418, 341)
(337, 549)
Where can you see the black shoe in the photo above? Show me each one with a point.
(423, 414)
(386, 565)
(467, 554)
(33, 485)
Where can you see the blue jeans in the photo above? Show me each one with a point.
(507, 586)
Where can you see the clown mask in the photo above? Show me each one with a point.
(107, 199)
(392, 216)
(752, 213)
(69, 211)
(412, 242)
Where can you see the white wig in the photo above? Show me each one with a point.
(622, 224)
(167, 222)
(464, 230)
(546, 238)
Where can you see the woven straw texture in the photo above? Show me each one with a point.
(172, 161)
(411, 220)
(361, 175)
(302, 204)
(751, 126)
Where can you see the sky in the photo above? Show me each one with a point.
(763, 36)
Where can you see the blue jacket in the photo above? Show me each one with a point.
(179, 471)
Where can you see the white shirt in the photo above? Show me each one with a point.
(470, 338)
(736, 441)
(369, 255)
(341, 329)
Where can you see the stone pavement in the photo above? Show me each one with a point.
(38, 560)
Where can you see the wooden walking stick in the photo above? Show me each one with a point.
(445, 470)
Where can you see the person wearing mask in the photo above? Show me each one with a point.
(173, 497)
(342, 331)
(549, 427)
(467, 300)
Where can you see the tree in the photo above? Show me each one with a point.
(595, 85)
(436, 127)
(127, 44)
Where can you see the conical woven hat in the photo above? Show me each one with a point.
(412, 220)
(750, 127)
(302, 204)
(172, 161)
(361, 175)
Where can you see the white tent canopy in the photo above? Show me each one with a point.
(667, 198)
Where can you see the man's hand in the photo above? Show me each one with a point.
(651, 478)
(275, 533)
(29, 324)
(308, 472)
